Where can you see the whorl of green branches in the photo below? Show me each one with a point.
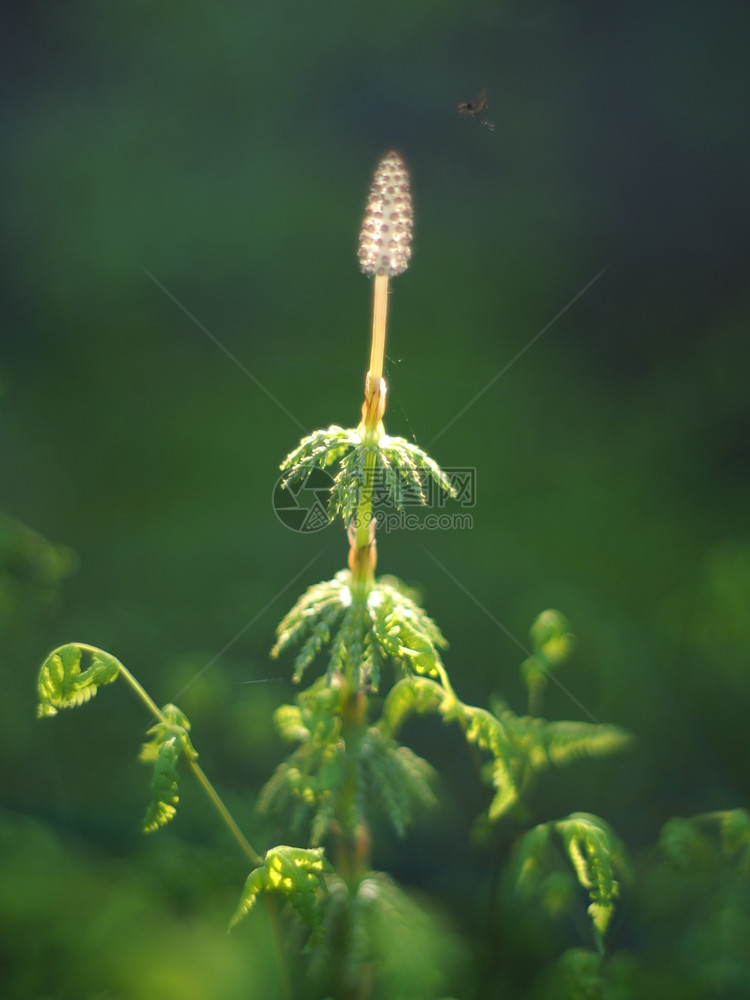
(389, 777)
(404, 465)
(361, 632)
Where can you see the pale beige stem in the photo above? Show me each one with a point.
(379, 317)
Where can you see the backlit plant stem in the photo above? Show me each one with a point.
(197, 770)
(379, 319)
(384, 252)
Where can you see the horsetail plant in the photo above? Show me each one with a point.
(347, 769)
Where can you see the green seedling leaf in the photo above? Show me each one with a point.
(565, 742)
(551, 638)
(552, 645)
(163, 805)
(296, 872)
(597, 858)
(412, 695)
(169, 740)
(490, 734)
(62, 682)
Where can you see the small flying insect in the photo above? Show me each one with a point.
(474, 109)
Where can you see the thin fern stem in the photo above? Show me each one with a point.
(244, 844)
(197, 770)
(142, 693)
(247, 849)
(222, 810)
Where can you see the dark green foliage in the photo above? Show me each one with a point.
(31, 569)
(388, 777)
(387, 623)
(585, 974)
(62, 683)
(380, 932)
(394, 778)
(296, 873)
(693, 906)
(303, 787)
(705, 841)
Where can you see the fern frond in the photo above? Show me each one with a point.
(539, 744)
(565, 742)
(597, 858)
(306, 785)
(552, 645)
(163, 805)
(490, 734)
(410, 696)
(296, 872)
(551, 637)
(417, 695)
(168, 741)
(402, 471)
(63, 684)
(403, 630)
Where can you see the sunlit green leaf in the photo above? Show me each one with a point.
(62, 682)
(295, 872)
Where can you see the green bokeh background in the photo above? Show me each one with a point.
(227, 150)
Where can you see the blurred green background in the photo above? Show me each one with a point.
(227, 150)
